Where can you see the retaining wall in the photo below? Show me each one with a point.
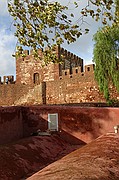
(84, 123)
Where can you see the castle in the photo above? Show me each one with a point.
(69, 82)
(54, 84)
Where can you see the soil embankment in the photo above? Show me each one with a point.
(98, 160)
(26, 156)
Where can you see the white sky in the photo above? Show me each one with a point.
(82, 47)
(7, 42)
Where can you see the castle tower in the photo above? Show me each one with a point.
(30, 71)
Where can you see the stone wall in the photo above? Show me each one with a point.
(30, 71)
(78, 87)
(18, 94)
(52, 84)
(73, 89)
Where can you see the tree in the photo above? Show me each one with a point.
(41, 23)
(106, 56)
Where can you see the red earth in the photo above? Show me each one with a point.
(29, 155)
(98, 160)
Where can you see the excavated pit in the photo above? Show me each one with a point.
(27, 156)
(98, 160)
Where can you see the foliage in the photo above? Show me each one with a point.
(106, 58)
(41, 23)
(106, 55)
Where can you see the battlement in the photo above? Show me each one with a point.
(29, 70)
(60, 52)
(30, 52)
(76, 72)
(89, 68)
(68, 54)
(66, 82)
(56, 50)
(7, 80)
(66, 74)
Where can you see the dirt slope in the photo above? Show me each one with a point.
(98, 160)
(27, 156)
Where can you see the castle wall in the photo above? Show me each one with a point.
(75, 88)
(27, 67)
(55, 83)
(18, 94)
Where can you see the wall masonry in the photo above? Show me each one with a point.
(76, 89)
(52, 84)
(19, 94)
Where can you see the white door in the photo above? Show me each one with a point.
(53, 122)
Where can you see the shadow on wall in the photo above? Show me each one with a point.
(70, 139)
(90, 122)
(33, 121)
(85, 124)
(36, 118)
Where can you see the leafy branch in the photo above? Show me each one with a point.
(41, 23)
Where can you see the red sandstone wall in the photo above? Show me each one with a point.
(19, 94)
(12, 92)
(69, 88)
(75, 122)
(34, 118)
(85, 124)
(27, 67)
(74, 89)
(88, 123)
(11, 126)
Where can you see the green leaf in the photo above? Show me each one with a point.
(72, 15)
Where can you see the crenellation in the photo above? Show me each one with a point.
(69, 55)
(31, 52)
(8, 79)
(68, 82)
(66, 73)
(89, 68)
(76, 71)
(65, 53)
(62, 51)
(26, 67)
(72, 55)
(26, 52)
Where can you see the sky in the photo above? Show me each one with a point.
(83, 47)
